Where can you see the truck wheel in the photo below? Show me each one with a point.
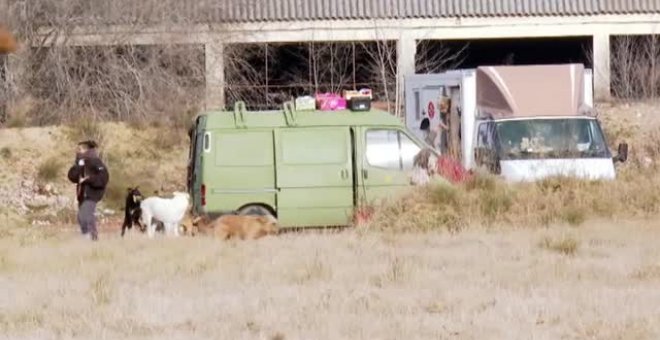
(254, 210)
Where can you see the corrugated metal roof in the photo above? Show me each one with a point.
(127, 11)
(289, 10)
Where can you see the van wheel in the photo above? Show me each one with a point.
(254, 210)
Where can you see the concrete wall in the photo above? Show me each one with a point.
(405, 32)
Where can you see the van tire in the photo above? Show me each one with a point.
(255, 210)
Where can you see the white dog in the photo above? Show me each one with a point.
(425, 166)
(170, 211)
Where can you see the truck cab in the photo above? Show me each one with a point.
(524, 123)
(524, 149)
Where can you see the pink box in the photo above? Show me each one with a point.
(330, 102)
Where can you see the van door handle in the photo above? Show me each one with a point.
(344, 173)
(365, 174)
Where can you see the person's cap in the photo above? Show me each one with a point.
(89, 143)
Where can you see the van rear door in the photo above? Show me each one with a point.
(314, 176)
(195, 162)
(386, 159)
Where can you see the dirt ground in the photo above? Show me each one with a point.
(598, 281)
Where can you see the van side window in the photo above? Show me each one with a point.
(408, 151)
(390, 149)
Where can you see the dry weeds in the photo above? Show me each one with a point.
(351, 285)
(564, 244)
(5, 153)
(399, 279)
(50, 169)
(487, 200)
(151, 157)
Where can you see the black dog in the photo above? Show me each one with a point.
(132, 211)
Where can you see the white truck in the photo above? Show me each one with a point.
(524, 123)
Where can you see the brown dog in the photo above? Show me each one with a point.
(229, 226)
(188, 224)
(8, 43)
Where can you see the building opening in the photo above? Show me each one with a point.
(461, 54)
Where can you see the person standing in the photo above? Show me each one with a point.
(91, 178)
(443, 125)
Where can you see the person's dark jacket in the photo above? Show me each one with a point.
(94, 187)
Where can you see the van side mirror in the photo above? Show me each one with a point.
(622, 155)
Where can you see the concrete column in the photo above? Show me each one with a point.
(406, 50)
(215, 76)
(602, 67)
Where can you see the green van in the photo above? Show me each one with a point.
(307, 168)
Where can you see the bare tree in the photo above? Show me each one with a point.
(331, 66)
(382, 66)
(382, 69)
(247, 67)
(53, 81)
(635, 61)
(323, 67)
(435, 57)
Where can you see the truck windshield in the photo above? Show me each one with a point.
(551, 139)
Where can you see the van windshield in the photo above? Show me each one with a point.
(551, 139)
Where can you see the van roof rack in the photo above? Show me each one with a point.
(290, 113)
(239, 118)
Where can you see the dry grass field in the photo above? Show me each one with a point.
(598, 281)
(559, 259)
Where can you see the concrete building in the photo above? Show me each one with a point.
(215, 23)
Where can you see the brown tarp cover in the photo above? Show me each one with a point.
(524, 91)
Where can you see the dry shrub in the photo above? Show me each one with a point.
(67, 216)
(153, 84)
(101, 290)
(635, 74)
(49, 169)
(278, 336)
(651, 272)
(17, 115)
(573, 216)
(314, 269)
(489, 201)
(425, 209)
(124, 176)
(157, 83)
(168, 139)
(651, 145)
(16, 121)
(5, 262)
(5, 153)
(86, 129)
(494, 203)
(118, 81)
(565, 245)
